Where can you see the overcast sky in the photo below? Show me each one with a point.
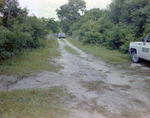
(47, 8)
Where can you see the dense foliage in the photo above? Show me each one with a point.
(70, 13)
(122, 22)
(19, 31)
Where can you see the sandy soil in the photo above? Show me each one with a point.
(101, 90)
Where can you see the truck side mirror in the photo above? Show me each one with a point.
(143, 40)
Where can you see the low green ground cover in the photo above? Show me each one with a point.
(35, 103)
(109, 56)
(32, 61)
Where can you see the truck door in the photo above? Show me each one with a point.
(145, 49)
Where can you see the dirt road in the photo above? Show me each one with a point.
(101, 90)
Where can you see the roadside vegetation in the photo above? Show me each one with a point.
(32, 61)
(33, 103)
(20, 31)
(25, 48)
(122, 22)
(109, 56)
(70, 50)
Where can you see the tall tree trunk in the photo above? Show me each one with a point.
(26, 15)
(9, 9)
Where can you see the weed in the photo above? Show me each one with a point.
(32, 61)
(121, 87)
(35, 103)
(124, 67)
(62, 40)
(148, 88)
(129, 114)
(109, 56)
(70, 50)
(95, 86)
(148, 85)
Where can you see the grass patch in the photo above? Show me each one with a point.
(35, 103)
(32, 61)
(148, 85)
(95, 86)
(109, 56)
(70, 50)
(62, 40)
(148, 88)
(129, 114)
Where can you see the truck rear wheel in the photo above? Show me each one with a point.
(134, 57)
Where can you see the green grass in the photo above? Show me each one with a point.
(148, 88)
(71, 50)
(35, 103)
(109, 56)
(62, 40)
(93, 85)
(33, 61)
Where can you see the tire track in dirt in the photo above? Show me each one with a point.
(101, 90)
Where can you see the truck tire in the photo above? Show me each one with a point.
(134, 57)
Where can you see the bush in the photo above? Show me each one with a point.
(12, 42)
(91, 38)
(129, 34)
(4, 54)
(113, 38)
(39, 31)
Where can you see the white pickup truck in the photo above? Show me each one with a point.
(140, 50)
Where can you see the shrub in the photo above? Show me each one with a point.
(91, 38)
(12, 42)
(113, 38)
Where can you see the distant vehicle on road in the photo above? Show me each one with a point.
(61, 35)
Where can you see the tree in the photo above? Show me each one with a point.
(6, 10)
(2, 3)
(71, 12)
(9, 4)
(16, 14)
(93, 14)
(51, 24)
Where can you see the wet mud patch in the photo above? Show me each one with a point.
(92, 107)
(148, 84)
(147, 81)
(138, 74)
(121, 87)
(98, 86)
(122, 76)
(132, 81)
(141, 69)
(108, 72)
(139, 102)
(129, 114)
(148, 87)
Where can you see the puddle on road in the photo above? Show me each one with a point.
(101, 90)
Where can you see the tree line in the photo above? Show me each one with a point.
(19, 31)
(115, 27)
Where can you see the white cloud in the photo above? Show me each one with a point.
(47, 8)
(102, 4)
(32, 5)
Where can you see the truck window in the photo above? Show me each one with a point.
(148, 39)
